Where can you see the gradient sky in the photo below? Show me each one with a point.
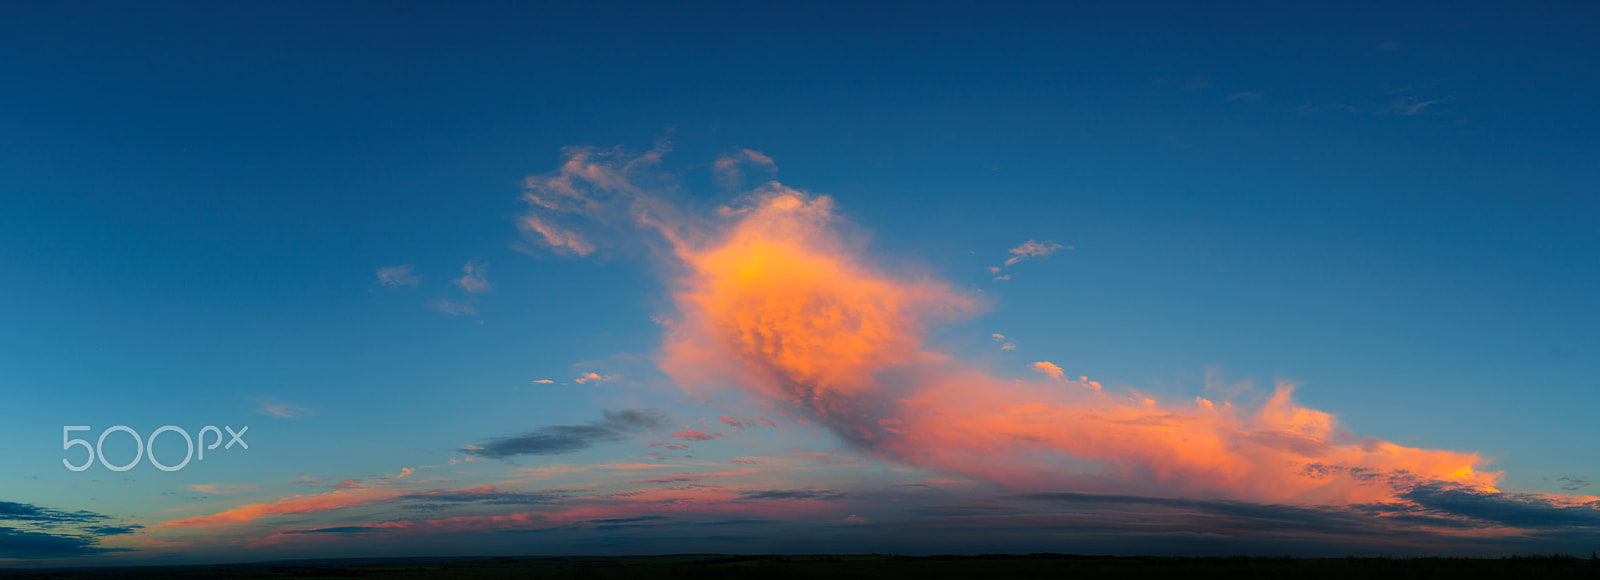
(508, 279)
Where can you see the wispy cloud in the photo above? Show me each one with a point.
(1309, 108)
(693, 435)
(1573, 483)
(728, 166)
(454, 308)
(592, 186)
(223, 488)
(474, 278)
(1032, 249)
(397, 276)
(542, 382)
(279, 409)
(1409, 105)
(561, 439)
(1246, 96)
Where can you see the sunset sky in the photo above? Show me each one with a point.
(628, 278)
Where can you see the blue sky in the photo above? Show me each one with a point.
(1393, 207)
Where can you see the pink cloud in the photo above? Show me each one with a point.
(693, 435)
(1032, 249)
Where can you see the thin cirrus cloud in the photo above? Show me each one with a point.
(777, 309)
(729, 167)
(454, 308)
(562, 439)
(279, 409)
(223, 488)
(398, 276)
(1032, 249)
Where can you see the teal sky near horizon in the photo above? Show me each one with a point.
(317, 221)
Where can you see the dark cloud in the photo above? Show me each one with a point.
(55, 533)
(39, 545)
(337, 530)
(562, 439)
(443, 499)
(822, 494)
(10, 510)
(1573, 483)
(1511, 509)
(628, 520)
(115, 530)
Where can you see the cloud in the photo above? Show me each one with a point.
(23, 512)
(542, 382)
(1048, 369)
(55, 533)
(592, 187)
(557, 237)
(279, 409)
(596, 378)
(336, 530)
(1245, 96)
(775, 303)
(1573, 483)
(562, 439)
(474, 279)
(223, 488)
(454, 308)
(29, 545)
(1410, 106)
(793, 494)
(778, 305)
(1031, 249)
(397, 276)
(728, 166)
(1521, 510)
(693, 435)
(1308, 108)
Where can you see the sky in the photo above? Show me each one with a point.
(919, 278)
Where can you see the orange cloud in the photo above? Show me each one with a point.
(693, 435)
(300, 504)
(596, 378)
(781, 306)
(1048, 369)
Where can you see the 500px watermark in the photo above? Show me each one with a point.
(140, 445)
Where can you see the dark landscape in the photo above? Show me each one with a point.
(703, 566)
